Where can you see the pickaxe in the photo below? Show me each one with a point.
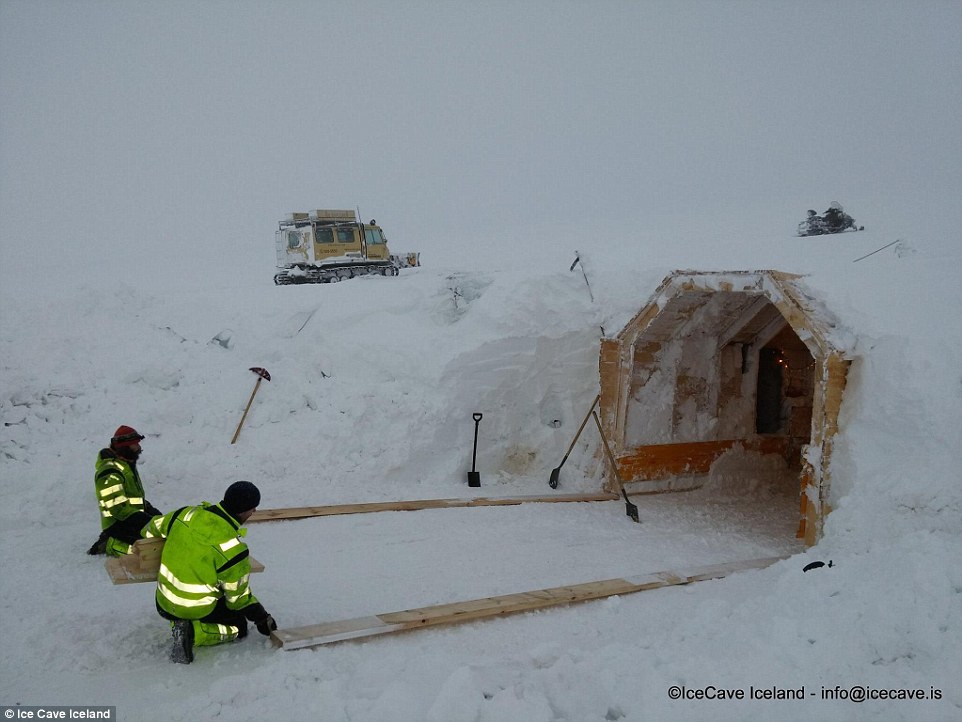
(262, 375)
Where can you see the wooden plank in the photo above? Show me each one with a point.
(303, 512)
(143, 563)
(329, 632)
(659, 461)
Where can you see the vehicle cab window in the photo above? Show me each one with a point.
(345, 235)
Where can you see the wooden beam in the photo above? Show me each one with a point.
(614, 368)
(143, 563)
(658, 461)
(329, 632)
(755, 305)
(303, 512)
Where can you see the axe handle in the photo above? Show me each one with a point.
(249, 402)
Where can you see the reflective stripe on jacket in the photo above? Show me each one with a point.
(203, 560)
(120, 492)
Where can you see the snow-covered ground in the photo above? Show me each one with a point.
(374, 382)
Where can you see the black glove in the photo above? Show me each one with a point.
(151, 509)
(262, 620)
(100, 546)
(266, 625)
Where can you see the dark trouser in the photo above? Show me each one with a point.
(220, 615)
(128, 530)
(123, 533)
(117, 539)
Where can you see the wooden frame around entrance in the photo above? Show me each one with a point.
(810, 321)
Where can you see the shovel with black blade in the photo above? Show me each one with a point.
(474, 476)
(555, 473)
(630, 509)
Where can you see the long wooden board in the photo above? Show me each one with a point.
(329, 632)
(303, 512)
(143, 563)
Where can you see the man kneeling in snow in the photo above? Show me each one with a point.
(203, 582)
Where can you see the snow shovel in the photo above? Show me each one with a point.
(553, 479)
(262, 375)
(630, 509)
(474, 476)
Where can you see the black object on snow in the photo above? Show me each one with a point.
(474, 476)
(834, 220)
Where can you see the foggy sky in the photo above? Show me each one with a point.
(161, 142)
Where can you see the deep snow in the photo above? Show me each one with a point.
(374, 383)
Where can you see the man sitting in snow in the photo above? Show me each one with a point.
(203, 583)
(124, 511)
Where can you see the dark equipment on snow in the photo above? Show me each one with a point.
(583, 273)
(555, 473)
(834, 220)
(262, 375)
(630, 509)
(474, 476)
(817, 565)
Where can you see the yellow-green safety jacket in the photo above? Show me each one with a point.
(203, 560)
(120, 494)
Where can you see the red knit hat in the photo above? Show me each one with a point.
(126, 436)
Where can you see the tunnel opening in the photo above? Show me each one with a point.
(726, 382)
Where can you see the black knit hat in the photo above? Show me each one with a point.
(240, 496)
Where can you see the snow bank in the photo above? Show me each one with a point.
(374, 384)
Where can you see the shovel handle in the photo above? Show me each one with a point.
(582, 427)
(474, 456)
(611, 457)
(630, 509)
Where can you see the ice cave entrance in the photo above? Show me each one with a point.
(734, 374)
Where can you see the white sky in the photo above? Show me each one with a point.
(158, 142)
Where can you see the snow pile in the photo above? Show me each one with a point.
(374, 383)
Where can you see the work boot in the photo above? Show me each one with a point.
(182, 641)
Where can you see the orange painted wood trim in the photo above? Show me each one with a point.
(658, 461)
